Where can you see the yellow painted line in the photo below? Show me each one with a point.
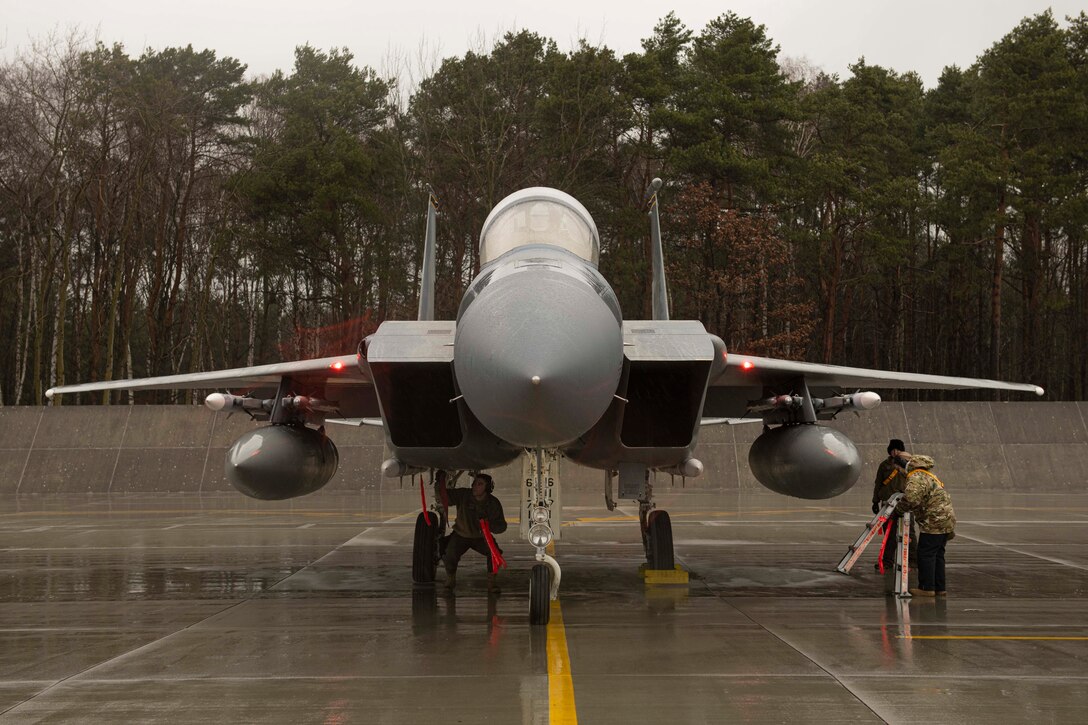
(560, 683)
(993, 636)
(705, 514)
(599, 519)
(561, 710)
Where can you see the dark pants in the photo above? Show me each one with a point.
(458, 545)
(931, 561)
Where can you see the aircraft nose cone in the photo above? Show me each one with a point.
(539, 359)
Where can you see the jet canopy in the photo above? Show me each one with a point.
(539, 215)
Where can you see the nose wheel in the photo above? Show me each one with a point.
(540, 587)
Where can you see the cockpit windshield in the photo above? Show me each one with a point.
(539, 215)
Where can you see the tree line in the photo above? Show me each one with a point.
(164, 213)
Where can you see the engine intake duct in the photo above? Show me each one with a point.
(417, 403)
(663, 403)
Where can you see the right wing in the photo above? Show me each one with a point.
(339, 379)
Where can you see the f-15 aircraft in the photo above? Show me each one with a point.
(540, 362)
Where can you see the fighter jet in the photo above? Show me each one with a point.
(540, 362)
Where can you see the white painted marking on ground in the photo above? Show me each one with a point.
(1051, 559)
(375, 536)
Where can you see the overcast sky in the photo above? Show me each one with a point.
(923, 35)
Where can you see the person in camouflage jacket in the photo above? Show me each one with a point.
(926, 498)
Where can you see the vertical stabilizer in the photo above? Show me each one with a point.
(426, 284)
(660, 298)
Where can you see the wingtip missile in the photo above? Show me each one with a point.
(218, 401)
(864, 401)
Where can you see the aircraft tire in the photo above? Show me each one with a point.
(540, 584)
(425, 550)
(659, 541)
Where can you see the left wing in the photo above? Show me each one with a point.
(745, 380)
(744, 370)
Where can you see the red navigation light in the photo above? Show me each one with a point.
(747, 364)
(338, 365)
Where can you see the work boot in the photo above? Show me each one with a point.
(922, 592)
(493, 584)
(451, 579)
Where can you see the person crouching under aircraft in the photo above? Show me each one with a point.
(474, 505)
(926, 498)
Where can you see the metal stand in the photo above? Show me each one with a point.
(902, 557)
(874, 525)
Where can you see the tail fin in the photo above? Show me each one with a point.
(660, 298)
(426, 284)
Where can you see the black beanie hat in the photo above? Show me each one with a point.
(896, 445)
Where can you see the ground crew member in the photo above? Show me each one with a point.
(926, 498)
(891, 478)
(474, 505)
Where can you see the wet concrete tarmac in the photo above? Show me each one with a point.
(193, 609)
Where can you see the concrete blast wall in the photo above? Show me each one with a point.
(145, 449)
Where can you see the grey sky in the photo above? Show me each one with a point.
(924, 35)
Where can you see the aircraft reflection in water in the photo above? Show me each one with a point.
(540, 361)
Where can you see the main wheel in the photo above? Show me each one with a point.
(659, 553)
(425, 550)
(540, 591)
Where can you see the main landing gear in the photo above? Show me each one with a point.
(656, 533)
(425, 548)
(655, 525)
(430, 528)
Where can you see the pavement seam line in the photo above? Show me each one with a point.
(129, 653)
(123, 655)
(823, 669)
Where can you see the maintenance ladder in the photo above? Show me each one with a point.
(902, 545)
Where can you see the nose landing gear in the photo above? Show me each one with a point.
(546, 575)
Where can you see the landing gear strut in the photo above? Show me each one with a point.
(656, 533)
(545, 576)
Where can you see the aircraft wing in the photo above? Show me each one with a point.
(340, 377)
(749, 370)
